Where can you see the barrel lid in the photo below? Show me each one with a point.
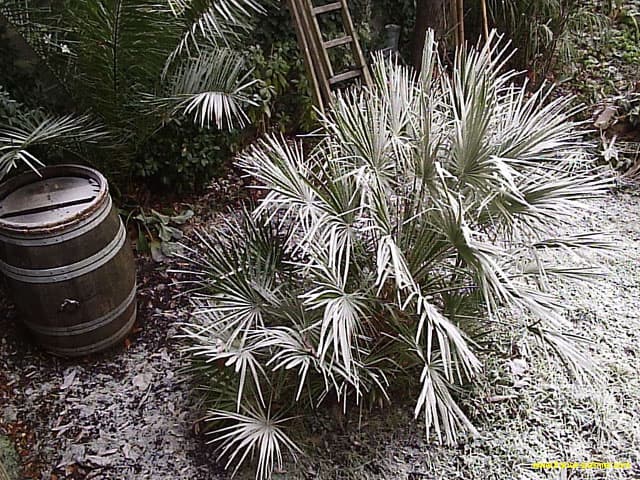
(59, 196)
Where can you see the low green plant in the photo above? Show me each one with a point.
(629, 108)
(158, 234)
(620, 147)
(605, 69)
(379, 258)
(10, 467)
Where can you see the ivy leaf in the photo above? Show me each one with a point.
(182, 217)
(156, 251)
(142, 245)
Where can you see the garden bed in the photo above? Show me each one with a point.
(128, 413)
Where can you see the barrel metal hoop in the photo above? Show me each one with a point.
(66, 272)
(101, 345)
(33, 240)
(85, 327)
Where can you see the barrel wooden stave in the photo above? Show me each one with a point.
(52, 253)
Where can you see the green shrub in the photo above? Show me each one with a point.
(184, 157)
(13, 112)
(283, 90)
(427, 212)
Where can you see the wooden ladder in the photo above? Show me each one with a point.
(315, 48)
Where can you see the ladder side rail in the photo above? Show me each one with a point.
(311, 28)
(303, 43)
(355, 44)
(316, 34)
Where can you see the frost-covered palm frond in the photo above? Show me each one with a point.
(209, 87)
(441, 412)
(343, 314)
(204, 28)
(213, 344)
(212, 14)
(17, 141)
(240, 271)
(255, 432)
(209, 23)
(426, 214)
(178, 6)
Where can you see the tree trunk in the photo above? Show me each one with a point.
(429, 14)
(24, 69)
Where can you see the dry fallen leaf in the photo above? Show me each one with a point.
(69, 379)
(518, 366)
(606, 118)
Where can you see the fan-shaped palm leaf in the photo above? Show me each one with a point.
(426, 213)
(252, 432)
(211, 88)
(66, 132)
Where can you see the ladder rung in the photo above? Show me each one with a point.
(341, 77)
(338, 41)
(329, 7)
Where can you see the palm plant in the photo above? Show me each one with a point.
(137, 64)
(23, 129)
(425, 214)
(17, 142)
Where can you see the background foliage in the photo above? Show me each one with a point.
(138, 66)
(119, 59)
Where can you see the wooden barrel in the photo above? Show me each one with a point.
(64, 252)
